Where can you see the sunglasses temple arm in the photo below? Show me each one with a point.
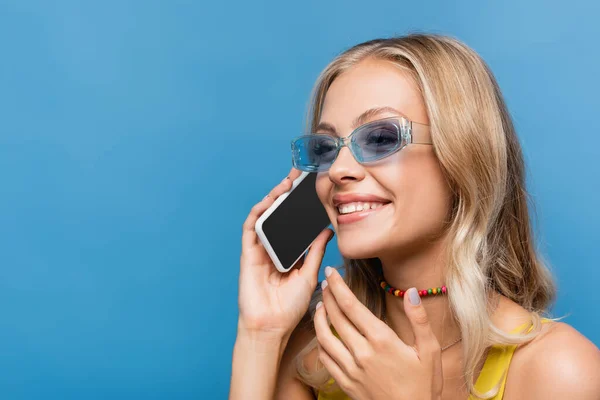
(420, 134)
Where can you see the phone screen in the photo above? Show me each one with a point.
(297, 221)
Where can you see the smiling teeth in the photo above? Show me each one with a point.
(359, 206)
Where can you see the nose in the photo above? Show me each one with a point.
(345, 168)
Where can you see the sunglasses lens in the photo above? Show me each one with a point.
(313, 153)
(376, 141)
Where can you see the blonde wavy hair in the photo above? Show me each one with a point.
(491, 240)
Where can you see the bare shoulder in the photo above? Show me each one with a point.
(288, 384)
(559, 363)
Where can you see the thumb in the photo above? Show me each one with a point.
(312, 262)
(425, 340)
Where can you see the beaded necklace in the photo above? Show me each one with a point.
(424, 292)
(400, 293)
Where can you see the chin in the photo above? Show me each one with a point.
(358, 248)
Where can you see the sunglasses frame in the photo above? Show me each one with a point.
(409, 132)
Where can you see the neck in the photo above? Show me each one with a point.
(423, 269)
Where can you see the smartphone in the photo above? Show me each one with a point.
(289, 227)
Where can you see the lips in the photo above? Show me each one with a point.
(342, 198)
(347, 208)
(353, 207)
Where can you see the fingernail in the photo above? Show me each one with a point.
(319, 304)
(328, 271)
(324, 285)
(414, 297)
(266, 197)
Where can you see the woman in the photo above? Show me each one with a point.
(442, 288)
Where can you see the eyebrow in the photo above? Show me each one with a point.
(360, 120)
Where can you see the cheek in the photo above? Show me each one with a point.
(323, 187)
(431, 204)
(423, 198)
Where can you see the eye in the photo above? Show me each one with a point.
(322, 145)
(381, 136)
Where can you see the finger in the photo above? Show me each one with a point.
(299, 263)
(348, 333)
(294, 173)
(312, 262)
(284, 186)
(334, 348)
(335, 370)
(363, 319)
(425, 341)
(249, 237)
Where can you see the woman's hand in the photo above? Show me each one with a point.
(271, 302)
(370, 361)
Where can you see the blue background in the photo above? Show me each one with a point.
(136, 136)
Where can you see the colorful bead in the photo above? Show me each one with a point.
(400, 293)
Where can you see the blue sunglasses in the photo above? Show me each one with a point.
(367, 143)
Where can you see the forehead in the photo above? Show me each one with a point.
(369, 84)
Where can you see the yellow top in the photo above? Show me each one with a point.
(496, 363)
